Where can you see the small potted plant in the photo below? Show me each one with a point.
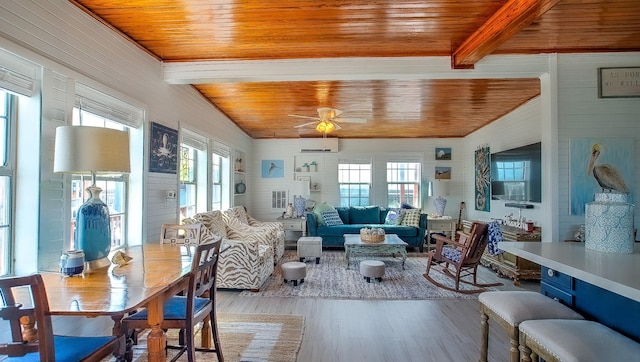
(314, 166)
(305, 167)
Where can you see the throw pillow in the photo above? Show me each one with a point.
(392, 217)
(411, 218)
(331, 218)
(319, 209)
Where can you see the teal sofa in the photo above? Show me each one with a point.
(355, 219)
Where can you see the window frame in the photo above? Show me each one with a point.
(398, 177)
(7, 169)
(346, 186)
(188, 167)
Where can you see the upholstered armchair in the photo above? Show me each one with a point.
(238, 219)
(246, 260)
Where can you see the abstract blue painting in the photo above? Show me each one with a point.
(585, 154)
(272, 168)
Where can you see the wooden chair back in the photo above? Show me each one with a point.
(477, 242)
(180, 234)
(26, 288)
(204, 269)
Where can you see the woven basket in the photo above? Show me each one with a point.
(372, 238)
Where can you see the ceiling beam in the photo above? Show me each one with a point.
(402, 68)
(512, 17)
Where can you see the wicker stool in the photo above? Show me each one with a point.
(510, 308)
(372, 269)
(295, 271)
(574, 340)
(310, 246)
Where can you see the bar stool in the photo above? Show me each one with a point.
(510, 308)
(574, 340)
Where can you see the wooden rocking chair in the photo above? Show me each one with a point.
(460, 258)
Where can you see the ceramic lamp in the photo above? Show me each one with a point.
(87, 150)
(299, 189)
(440, 189)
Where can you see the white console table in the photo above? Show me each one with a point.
(437, 225)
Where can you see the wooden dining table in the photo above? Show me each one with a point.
(155, 273)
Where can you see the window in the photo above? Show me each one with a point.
(220, 176)
(188, 181)
(216, 182)
(403, 183)
(114, 186)
(6, 178)
(354, 182)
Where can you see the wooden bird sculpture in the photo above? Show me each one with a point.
(606, 175)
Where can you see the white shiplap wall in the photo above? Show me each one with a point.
(65, 40)
(379, 151)
(582, 114)
(518, 128)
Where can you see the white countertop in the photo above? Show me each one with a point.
(619, 273)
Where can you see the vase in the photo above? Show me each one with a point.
(609, 224)
(93, 230)
(440, 203)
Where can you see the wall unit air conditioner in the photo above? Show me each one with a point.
(311, 145)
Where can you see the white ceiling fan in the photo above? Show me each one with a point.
(327, 120)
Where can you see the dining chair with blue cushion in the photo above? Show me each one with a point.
(24, 299)
(184, 312)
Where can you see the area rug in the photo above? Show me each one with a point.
(331, 279)
(245, 338)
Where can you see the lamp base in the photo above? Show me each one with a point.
(96, 264)
(93, 230)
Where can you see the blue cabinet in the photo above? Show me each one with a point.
(595, 303)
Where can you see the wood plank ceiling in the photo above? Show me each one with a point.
(206, 39)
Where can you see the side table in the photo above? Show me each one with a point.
(439, 224)
(297, 225)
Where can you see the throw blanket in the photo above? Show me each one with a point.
(494, 235)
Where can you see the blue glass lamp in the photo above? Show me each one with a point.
(82, 150)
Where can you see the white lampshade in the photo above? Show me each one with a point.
(301, 188)
(82, 149)
(440, 188)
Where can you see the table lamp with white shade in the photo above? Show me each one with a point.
(300, 189)
(89, 150)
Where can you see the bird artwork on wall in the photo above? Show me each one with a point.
(607, 176)
(599, 165)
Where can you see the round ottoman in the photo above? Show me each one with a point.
(294, 270)
(372, 269)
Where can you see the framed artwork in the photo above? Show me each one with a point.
(483, 178)
(272, 168)
(588, 155)
(618, 82)
(443, 173)
(163, 149)
(443, 153)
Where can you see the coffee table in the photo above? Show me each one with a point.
(392, 244)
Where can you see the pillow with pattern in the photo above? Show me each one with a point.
(411, 217)
(392, 217)
(331, 218)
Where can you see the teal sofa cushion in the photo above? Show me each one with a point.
(364, 215)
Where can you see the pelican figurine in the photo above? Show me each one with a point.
(607, 176)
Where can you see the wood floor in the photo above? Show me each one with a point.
(374, 330)
(360, 330)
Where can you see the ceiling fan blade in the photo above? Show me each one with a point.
(351, 120)
(305, 124)
(305, 117)
(328, 113)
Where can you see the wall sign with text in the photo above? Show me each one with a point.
(619, 82)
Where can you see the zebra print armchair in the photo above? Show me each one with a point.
(247, 260)
(239, 218)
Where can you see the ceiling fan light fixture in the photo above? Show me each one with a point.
(325, 126)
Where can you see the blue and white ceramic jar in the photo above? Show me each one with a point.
(609, 224)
